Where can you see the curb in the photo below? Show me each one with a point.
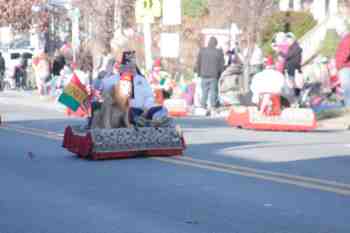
(33, 100)
(333, 126)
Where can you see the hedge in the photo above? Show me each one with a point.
(330, 43)
(296, 22)
(195, 8)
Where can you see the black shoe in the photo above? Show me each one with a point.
(163, 121)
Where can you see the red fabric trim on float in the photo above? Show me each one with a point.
(82, 146)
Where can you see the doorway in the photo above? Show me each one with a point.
(327, 7)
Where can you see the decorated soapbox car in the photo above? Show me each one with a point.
(269, 115)
(109, 139)
(98, 144)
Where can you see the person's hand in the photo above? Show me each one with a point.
(89, 90)
(98, 94)
(145, 112)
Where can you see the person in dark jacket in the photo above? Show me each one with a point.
(58, 64)
(2, 70)
(210, 64)
(23, 70)
(342, 58)
(293, 60)
(2, 65)
(293, 56)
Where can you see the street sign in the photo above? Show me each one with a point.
(147, 10)
(171, 12)
(170, 45)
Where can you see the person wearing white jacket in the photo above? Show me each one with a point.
(268, 81)
(142, 103)
(143, 107)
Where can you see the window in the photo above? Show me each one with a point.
(291, 4)
(327, 6)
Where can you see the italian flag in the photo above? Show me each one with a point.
(74, 94)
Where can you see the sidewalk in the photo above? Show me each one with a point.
(30, 98)
(337, 123)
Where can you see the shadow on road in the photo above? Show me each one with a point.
(304, 154)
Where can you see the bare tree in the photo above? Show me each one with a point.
(101, 18)
(97, 18)
(250, 15)
(19, 14)
(102, 21)
(345, 7)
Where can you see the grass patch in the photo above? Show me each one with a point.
(332, 113)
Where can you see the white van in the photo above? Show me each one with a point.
(13, 59)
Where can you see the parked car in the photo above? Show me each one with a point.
(12, 60)
(21, 44)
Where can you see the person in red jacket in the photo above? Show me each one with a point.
(342, 58)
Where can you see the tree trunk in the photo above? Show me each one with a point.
(119, 40)
(246, 77)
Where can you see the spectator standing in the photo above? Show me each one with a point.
(42, 73)
(210, 64)
(343, 60)
(58, 63)
(256, 62)
(2, 70)
(280, 46)
(293, 59)
(23, 70)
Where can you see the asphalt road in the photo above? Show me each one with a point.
(229, 181)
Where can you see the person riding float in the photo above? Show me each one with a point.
(143, 108)
(130, 93)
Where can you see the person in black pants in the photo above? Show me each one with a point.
(2, 71)
(58, 64)
(293, 60)
(23, 70)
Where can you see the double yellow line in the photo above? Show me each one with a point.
(277, 177)
(283, 178)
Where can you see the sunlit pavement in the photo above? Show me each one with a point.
(229, 180)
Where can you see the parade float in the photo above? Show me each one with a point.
(272, 95)
(149, 138)
(269, 115)
(99, 144)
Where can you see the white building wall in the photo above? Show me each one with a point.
(318, 8)
(6, 35)
(284, 5)
(333, 7)
(297, 5)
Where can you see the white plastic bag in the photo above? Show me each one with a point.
(299, 80)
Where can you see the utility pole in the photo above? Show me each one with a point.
(148, 44)
(118, 39)
(75, 14)
(146, 11)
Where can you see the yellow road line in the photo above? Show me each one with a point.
(299, 183)
(278, 177)
(267, 173)
(279, 145)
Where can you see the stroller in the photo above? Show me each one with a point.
(317, 93)
(8, 83)
(229, 85)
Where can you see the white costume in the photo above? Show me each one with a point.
(143, 94)
(267, 81)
